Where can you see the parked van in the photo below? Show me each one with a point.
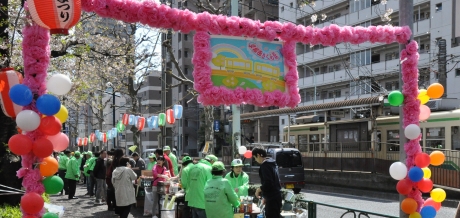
(290, 167)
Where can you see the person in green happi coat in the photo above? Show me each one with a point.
(73, 174)
(152, 161)
(219, 195)
(238, 179)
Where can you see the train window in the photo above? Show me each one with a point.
(314, 142)
(435, 137)
(392, 140)
(455, 138)
(303, 143)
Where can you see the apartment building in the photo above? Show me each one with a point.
(345, 71)
(185, 133)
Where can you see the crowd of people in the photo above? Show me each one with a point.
(209, 190)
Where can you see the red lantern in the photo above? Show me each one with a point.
(104, 137)
(170, 116)
(93, 137)
(141, 123)
(9, 78)
(85, 141)
(55, 15)
(125, 119)
(79, 141)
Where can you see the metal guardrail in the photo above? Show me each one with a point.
(311, 208)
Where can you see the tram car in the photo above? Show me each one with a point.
(237, 64)
(362, 140)
(266, 70)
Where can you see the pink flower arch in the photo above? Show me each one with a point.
(36, 54)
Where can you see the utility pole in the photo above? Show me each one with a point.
(442, 74)
(236, 119)
(406, 16)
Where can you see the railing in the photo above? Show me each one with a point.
(312, 210)
(360, 157)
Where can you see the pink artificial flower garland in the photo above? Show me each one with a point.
(411, 108)
(158, 15)
(36, 55)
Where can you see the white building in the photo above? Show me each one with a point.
(355, 71)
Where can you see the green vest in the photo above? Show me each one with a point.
(219, 198)
(194, 183)
(241, 182)
(63, 162)
(174, 162)
(73, 169)
(151, 165)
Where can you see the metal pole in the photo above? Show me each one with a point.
(406, 16)
(236, 120)
(258, 130)
(289, 129)
(113, 116)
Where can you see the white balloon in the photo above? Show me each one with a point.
(412, 131)
(398, 170)
(28, 120)
(59, 84)
(242, 150)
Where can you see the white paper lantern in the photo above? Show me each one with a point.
(242, 150)
(28, 120)
(398, 170)
(412, 131)
(59, 84)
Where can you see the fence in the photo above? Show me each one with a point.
(363, 157)
(312, 210)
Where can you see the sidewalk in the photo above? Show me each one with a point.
(84, 207)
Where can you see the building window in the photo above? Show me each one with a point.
(185, 3)
(186, 37)
(180, 89)
(457, 72)
(180, 54)
(186, 69)
(186, 54)
(291, 4)
(338, 93)
(331, 95)
(179, 37)
(388, 86)
(282, 8)
(185, 88)
(396, 85)
(179, 4)
(438, 7)
(282, 121)
(360, 58)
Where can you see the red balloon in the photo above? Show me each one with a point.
(422, 160)
(425, 185)
(32, 203)
(430, 202)
(248, 154)
(50, 125)
(29, 216)
(42, 148)
(20, 144)
(404, 186)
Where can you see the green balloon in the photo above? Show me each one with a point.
(53, 184)
(395, 98)
(50, 215)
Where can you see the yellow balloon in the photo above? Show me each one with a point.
(422, 96)
(63, 114)
(426, 173)
(415, 215)
(438, 195)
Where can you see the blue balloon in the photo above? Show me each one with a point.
(21, 95)
(415, 174)
(428, 212)
(48, 104)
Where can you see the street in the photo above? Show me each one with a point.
(381, 206)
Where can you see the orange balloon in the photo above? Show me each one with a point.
(408, 205)
(437, 158)
(435, 90)
(49, 166)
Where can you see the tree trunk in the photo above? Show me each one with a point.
(209, 131)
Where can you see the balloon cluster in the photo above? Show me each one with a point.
(51, 114)
(418, 177)
(242, 150)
